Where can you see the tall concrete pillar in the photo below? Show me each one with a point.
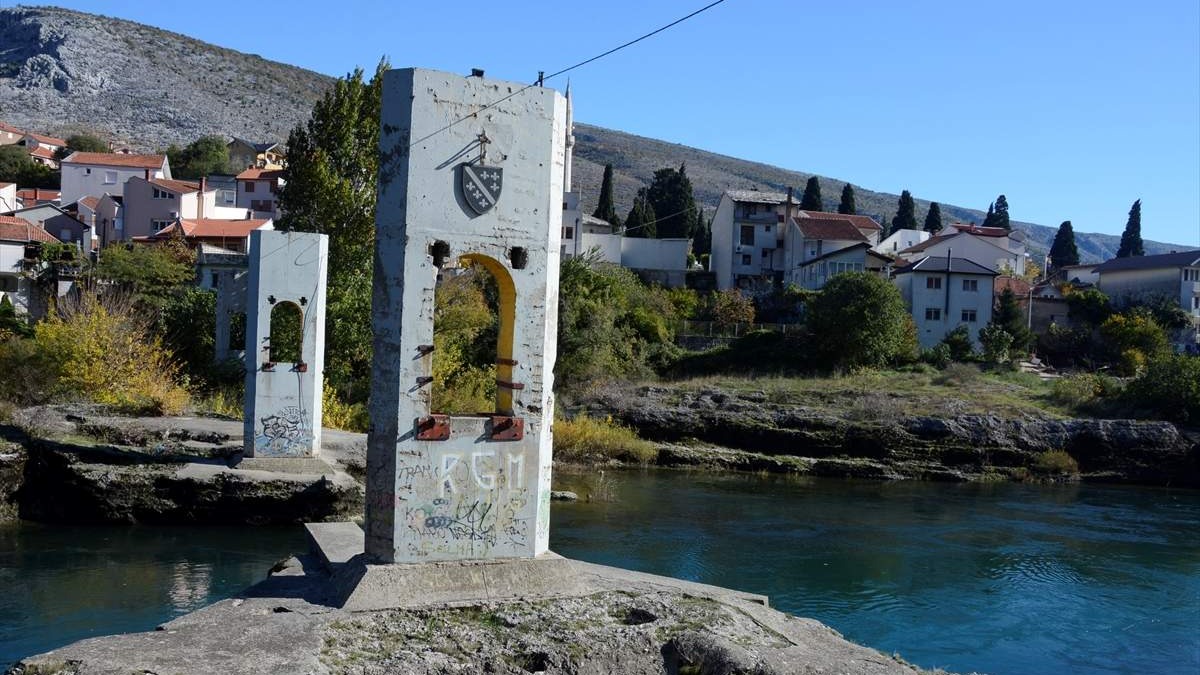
(471, 169)
(284, 379)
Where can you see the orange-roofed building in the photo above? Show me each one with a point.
(231, 235)
(98, 173)
(16, 234)
(258, 190)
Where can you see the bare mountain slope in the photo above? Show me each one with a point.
(63, 71)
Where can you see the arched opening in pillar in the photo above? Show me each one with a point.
(287, 333)
(474, 312)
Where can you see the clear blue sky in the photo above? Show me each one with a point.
(1072, 109)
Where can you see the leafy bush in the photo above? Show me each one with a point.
(337, 414)
(1084, 389)
(465, 326)
(730, 307)
(996, 342)
(1055, 463)
(958, 341)
(938, 356)
(588, 439)
(1169, 388)
(958, 374)
(859, 319)
(96, 349)
(1133, 337)
(758, 352)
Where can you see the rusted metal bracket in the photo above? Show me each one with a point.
(506, 428)
(506, 362)
(515, 386)
(424, 380)
(424, 349)
(268, 366)
(433, 428)
(300, 367)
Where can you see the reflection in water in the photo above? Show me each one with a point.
(61, 584)
(997, 578)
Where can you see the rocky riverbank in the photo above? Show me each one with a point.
(750, 430)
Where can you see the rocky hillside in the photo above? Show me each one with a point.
(63, 71)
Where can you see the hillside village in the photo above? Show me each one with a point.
(760, 243)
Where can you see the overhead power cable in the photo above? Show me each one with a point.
(542, 78)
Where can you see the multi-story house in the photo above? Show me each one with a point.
(748, 231)
(944, 293)
(814, 273)
(901, 240)
(809, 247)
(258, 191)
(16, 234)
(1171, 276)
(245, 154)
(864, 224)
(991, 247)
(228, 235)
(99, 173)
(150, 205)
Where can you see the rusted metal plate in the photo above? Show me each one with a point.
(515, 386)
(506, 428)
(433, 428)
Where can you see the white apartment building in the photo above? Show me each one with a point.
(944, 293)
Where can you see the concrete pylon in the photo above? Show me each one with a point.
(472, 170)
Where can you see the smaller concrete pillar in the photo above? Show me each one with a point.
(283, 397)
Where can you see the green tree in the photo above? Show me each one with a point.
(958, 341)
(671, 199)
(152, 275)
(702, 236)
(906, 213)
(16, 166)
(860, 319)
(1063, 251)
(331, 176)
(1090, 307)
(847, 205)
(731, 307)
(187, 323)
(605, 210)
(202, 157)
(80, 143)
(991, 215)
(933, 219)
(811, 201)
(1169, 387)
(998, 214)
(1133, 337)
(1131, 238)
(1009, 316)
(996, 343)
(640, 221)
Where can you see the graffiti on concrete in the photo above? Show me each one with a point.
(287, 433)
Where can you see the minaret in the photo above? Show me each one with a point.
(570, 142)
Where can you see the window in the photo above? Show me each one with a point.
(216, 280)
(970, 286)
(1196, 302)
(228, 196)
(933, 314)
(64, 234)
(568, 233)
(768, 228)
(87, 172)
(249, 186)
(110, 177)
(266, 205)
(840, 267)
(162, 194)
(968, 316)
(746, 260)
(747, 235)
(1191, 275)
(160, 224)
(933, 283)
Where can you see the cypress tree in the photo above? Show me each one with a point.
(1131, 238)
(1002, 213)
(1012, 319)
(906, 213)
(847, 205)
(605, 210)
(702, 236)
(933, 219)
(811, 201)
(990, 217)
(640, 221)
(1063, 251)
(670, 196)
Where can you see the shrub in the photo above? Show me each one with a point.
(588, 439)
(1055, 463)
(938, 356)
(860, 319)
(103, 350)
(1082, 389)
(958, 341)
(1169, 388)
(1133, 337)
(730, 307)
(996, 342)
(958, 374)
(337, 414)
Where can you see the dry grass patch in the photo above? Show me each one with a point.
(585, 439)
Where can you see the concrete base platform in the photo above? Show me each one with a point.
(304, 465)
(358, 585)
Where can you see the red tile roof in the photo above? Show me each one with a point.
(116, 159)
(90, 202)
(982, 231)
(10, 128)
(41, 152)
(935, 239)
(211, 228)
(48, 140)
(260, 174)
(38, 194)
(1019, 287)
(829, 229)
(861, 222)
(176, 185)
(13, 228)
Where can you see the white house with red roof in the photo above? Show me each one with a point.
(149, 205)
(992, 247)
(258, 190)
(231, 235)
(864, 224)
(97, 173)
(15, 235)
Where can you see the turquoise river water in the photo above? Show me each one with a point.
(998, 578)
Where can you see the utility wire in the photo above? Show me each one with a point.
(541, 79)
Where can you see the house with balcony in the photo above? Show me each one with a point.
(748, 231)
(229, 235)
(944, 293)
(814, 273)
(98, 173)
(1142, 279)
(258, 191)
(150, 205)
(991, 247)
(810, 245)
(17, 237)
(245, 154)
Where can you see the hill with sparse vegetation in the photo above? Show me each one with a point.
(63, 71)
